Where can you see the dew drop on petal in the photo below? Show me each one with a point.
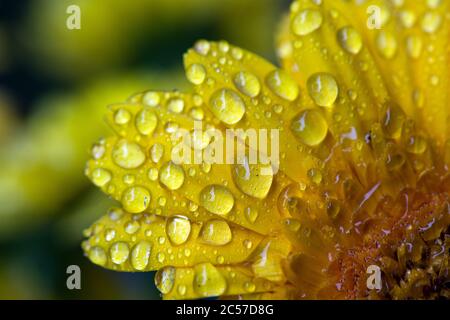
(254, 180)
(146, 121)
(128, 155)
(306, 21)
(217, 199)
(165, 279)
(135, 199)
(310, 127)
(208, 281)
(323, 89)
(196, 73)
(216, 233)
(178, 229)
(100, 177)
(171, 175)
(119, 252)
(97, 255)
(140, 255)
(350, 40)
(282, 85)
(227, 106)
(247, 83)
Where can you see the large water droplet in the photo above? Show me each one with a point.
(135, 199)
(310, 127)
(306, 21)
(119, 252)
(175, 105)
(254, 180)
(146, 121)
(217, 199)
(350, 40)
(227, 106)
(208, 281)
(128, 155)
(282, 85)
(247, 83)
(393, 120)
(196, 73)
(171, 175)
(100, 177)
(178, 229)
(122, 116)
(141, 255)
(216, 232)
(323, 89)
(97, 255)
(165, 279)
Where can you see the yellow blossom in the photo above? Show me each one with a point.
(363, 173)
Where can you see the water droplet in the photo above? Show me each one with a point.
(156, 152)
(175, 105)
(216, 232)
(217, 199)
(97, 255)
(132, 227)
(178, 229)
(196, 73)
(153, 174)
(128, 155)
(247, 83)
(135, 199)
(115, 214)
(254, 180)
(237, 53)
(196, 113)
(431, 21)
(100, 177)
(171, 175)
(151, 99)
(408, 18)
(227, 106)
(202, 47)
(323, 89)
(282, 85)
(386, 44)
(97, 151)
(122, 116)
(416, 144)
(165, 279)
(306, 21)
(119, 252)
(110, 234)
(146, 121)
(350, 40)
(333, 209)
(310, 127)
(414, 46)
(208, 281)
(393, 120)
(251, 214)
(141, 255)
(315, 175)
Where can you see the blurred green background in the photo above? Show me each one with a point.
(55, 85)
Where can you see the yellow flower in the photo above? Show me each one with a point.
(363, 176)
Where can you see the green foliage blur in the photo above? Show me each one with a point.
(55, 85)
